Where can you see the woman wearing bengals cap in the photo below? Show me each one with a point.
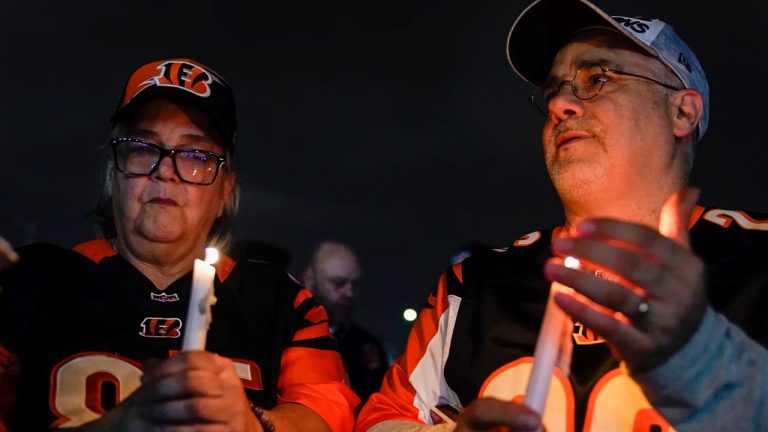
(96, 331)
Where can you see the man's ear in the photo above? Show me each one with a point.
(688, 107)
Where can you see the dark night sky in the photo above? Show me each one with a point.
(397, 126)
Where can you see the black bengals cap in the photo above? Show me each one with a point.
(188, 81)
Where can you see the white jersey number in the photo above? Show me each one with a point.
(725, 217)
(77, 383)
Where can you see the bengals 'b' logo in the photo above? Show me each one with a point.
(161, 327)
(585, 336)
(183, 75)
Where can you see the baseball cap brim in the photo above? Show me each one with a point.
(220, 121)
(545, 26)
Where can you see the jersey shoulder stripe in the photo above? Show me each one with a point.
(95, 250)
(98, 249)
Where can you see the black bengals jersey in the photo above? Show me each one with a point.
(476, 335)
(81, 324)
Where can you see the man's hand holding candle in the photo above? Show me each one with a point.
(656, 300)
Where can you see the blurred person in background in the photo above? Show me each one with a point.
(333, 275)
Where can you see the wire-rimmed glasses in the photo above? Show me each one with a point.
(587, 83)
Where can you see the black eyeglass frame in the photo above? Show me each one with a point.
(575, 88)
(164, 152)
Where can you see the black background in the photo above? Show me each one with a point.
(397, 126)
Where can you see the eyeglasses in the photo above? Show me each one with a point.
(134, 156)
(586, 84)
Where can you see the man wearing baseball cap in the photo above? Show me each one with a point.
(667, 297)
(91, 338)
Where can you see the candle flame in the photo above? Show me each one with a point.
(211, 255)
(571, 262)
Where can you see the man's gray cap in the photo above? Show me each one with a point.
(546, 25)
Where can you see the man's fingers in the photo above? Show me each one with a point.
(630, 266)
(609, 327)
(489, 413)
(638, 238)
(603, 292)
(634, 252)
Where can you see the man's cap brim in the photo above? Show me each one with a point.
(545, 26)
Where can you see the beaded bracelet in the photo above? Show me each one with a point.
(262, 417)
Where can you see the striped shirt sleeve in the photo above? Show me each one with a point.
(311, 370)
(415, 383)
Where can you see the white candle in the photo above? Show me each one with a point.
(553, 346)
(200, 300)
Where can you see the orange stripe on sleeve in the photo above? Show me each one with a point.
(301, 296)
(316, 314)
(95, 250)
(310, 365)
(316, 331)
(315, 378)
(395, 399)
(458, 272)
(392, 402)
(333, 401)
(424, 329)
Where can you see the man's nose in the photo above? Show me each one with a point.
(564, 103)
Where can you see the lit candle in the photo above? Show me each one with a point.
(200, 300)
(553, 346)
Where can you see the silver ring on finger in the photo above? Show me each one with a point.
(641, 312)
